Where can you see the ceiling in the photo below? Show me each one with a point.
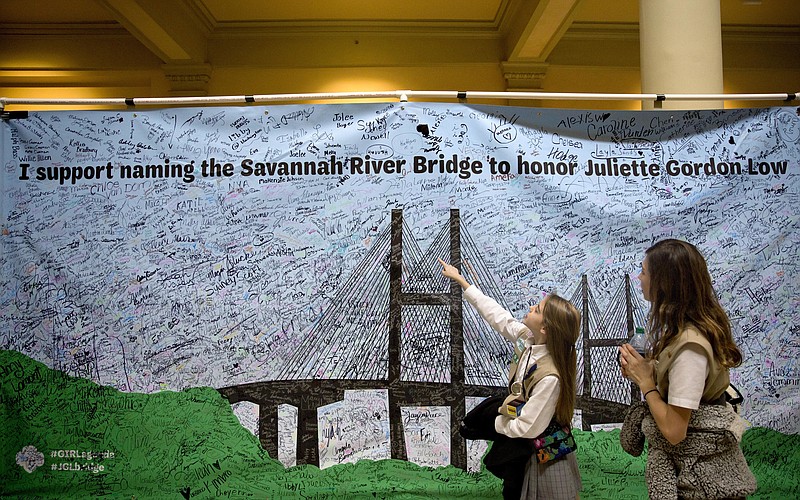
(187, 30)
(87, 47)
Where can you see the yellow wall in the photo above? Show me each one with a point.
(115, 64)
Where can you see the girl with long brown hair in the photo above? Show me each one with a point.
(542, 375)
(684, 380)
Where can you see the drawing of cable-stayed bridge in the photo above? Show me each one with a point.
(398, 324)
(351, 340)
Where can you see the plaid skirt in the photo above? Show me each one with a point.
(552, 480)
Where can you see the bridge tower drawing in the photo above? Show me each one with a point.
(397, 323)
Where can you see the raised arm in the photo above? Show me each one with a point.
(452, 273)
(498, 318)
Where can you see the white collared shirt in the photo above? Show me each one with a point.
(690, 365)
(541, 406)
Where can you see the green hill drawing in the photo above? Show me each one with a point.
(66, 437)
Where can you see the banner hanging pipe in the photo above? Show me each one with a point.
(402, 95)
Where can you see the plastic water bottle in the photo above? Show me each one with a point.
(639, 341)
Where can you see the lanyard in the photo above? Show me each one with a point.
(518, 386)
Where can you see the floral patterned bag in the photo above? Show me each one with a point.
(555, 442)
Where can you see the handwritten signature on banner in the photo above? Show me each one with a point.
(163, 249)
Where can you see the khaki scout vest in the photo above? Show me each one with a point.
(717, 380)
(544, 367)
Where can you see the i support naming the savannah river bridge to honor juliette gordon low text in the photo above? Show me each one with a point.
(356, 165)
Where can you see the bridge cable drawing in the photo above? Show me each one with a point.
(398, 324)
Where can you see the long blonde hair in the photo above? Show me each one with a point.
(562, 324)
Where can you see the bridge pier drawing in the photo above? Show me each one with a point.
(398, 324)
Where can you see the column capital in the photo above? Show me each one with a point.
(523, 76)
(187, 80)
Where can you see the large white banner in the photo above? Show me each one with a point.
(171, 248)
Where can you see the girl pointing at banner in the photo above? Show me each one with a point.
(542, 390)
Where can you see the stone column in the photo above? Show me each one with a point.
(680, 50)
